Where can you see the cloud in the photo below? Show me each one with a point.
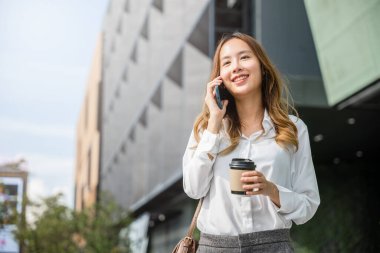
(48, 175)
(36, 189)
(67, 193)
(48, 164)
(56, 173)
(29, 128)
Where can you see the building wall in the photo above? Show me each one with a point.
(286, 36)
(154, 80)
(88, 138)
(347, 41)
(7, 172)
(156, 66)
(13, 189)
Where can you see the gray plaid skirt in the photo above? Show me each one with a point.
(264, 241)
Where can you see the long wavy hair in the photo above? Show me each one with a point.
(275, 96)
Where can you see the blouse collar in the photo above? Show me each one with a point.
(267, 124)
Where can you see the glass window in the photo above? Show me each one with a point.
(232, 16)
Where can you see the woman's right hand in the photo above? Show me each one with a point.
(216, 114)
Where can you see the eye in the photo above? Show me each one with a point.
(225, 63)
(245, 57)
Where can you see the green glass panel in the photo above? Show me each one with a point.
(347, 38)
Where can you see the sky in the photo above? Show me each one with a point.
(46, 49)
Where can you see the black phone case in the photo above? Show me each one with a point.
(218, 97)
(221, 93)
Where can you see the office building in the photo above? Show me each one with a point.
(13, 184)
(88, 138)
(156, 63)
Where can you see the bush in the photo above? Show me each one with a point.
(59, 229)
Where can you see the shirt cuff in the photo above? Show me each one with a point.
(286, 200)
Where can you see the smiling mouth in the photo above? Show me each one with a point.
(240, 78)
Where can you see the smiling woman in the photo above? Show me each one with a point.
(241, 56)
(254, 124)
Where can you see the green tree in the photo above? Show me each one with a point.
(59, 229)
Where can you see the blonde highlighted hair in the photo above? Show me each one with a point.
(277, 105)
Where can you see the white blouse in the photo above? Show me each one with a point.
(206, 174)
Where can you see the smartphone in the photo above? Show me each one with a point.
(221, 93)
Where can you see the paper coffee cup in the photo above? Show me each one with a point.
(237, 167)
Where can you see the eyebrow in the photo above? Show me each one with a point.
(241, 52)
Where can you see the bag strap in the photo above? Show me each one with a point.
(194, 220)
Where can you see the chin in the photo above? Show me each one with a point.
(243, 90)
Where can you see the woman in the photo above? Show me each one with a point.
(253, 123)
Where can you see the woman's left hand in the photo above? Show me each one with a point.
(255, 183)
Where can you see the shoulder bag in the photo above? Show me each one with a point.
(188, 244)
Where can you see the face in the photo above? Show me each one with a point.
(240, 69)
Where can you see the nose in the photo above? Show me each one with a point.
(236, 66)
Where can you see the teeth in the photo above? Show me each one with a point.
(240, 78)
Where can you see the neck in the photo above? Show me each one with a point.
(251, 113)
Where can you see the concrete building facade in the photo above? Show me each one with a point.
(149, 96)
(88, 138)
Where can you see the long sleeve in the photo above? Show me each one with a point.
(198, 161)
(301, 201)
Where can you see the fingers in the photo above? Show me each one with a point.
(250, 187)
(252, 173)
(210, 99)
(256, 188)
(251, 180)
(225, 103)
(254, 182)
(211, 85)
